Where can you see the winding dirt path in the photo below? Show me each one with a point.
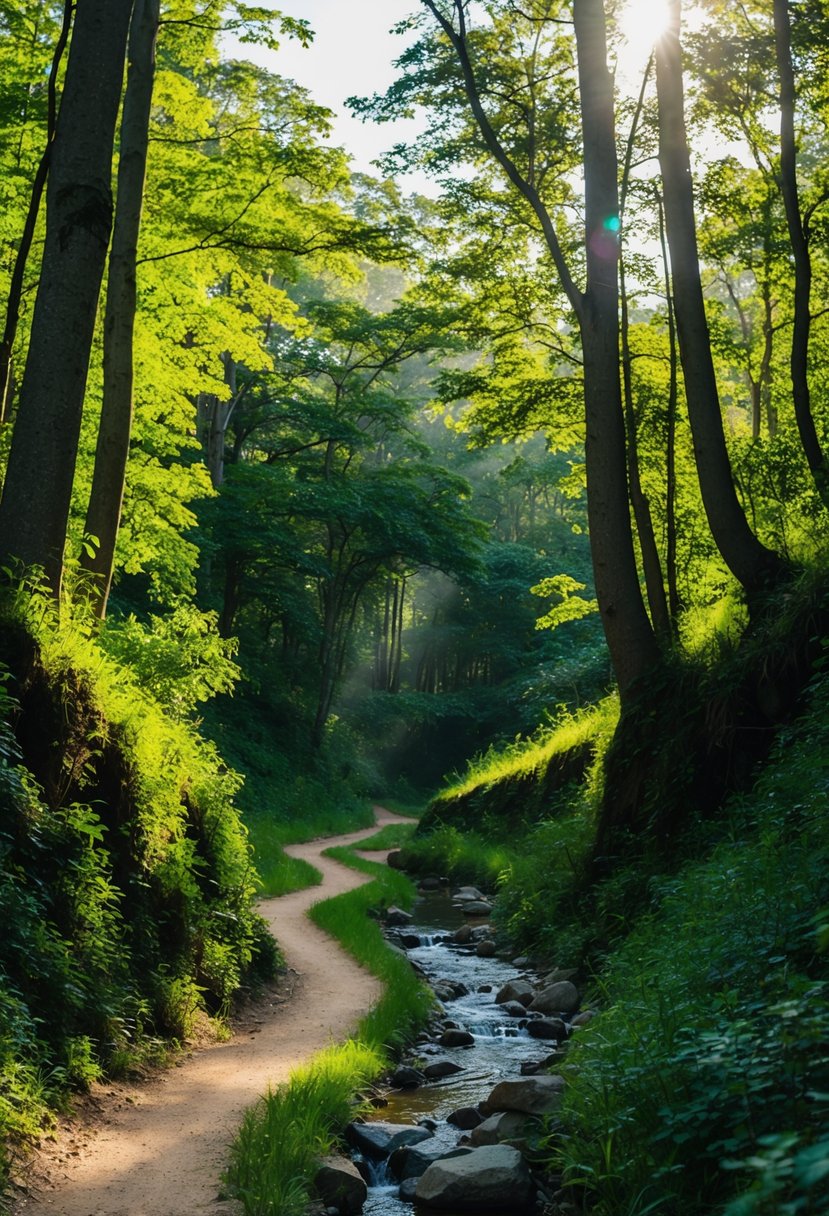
(159, 1149)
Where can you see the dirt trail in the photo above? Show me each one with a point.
(159, 1148)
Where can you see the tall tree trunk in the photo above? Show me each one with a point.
(670, 446)
(41, 173)
(397, 642)
(749, 561)
(630, 638)
(631, 641)
(103, 515)
(78, 221)
(798, 237)
(651, 564)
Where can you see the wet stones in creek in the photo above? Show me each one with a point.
(381, 1139)
(561, 997)
(465, 1118)
(456, 1038)
(414, 1160)
(547, 1028)
(441, 1068)
(520, 991)
(485, 1180)
(505, 1125)
(406, 1078)
(539, 1095)
(339, 1184)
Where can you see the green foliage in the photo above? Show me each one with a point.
(570, 607)
(179, 657)
(702, 1086)
(126, 883)
(392, 836)
(512, 787)
(283, 1137)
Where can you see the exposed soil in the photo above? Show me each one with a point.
(159, 1148)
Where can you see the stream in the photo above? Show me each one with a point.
(500, 1046)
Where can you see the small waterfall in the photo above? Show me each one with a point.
(377, 1172)
(432, 939)
(504, 1030)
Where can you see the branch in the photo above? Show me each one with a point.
(458, 41)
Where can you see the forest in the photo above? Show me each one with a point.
(503, 503)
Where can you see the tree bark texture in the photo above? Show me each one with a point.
(106, 496)
(36, 496)
(630, 638)
(799, 360)
(26, 237)
(749, 561)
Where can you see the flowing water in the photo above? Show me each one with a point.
(500, 1047)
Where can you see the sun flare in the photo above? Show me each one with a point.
(641, 24)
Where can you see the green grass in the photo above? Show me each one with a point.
(527, 757)
(279, 873)
(461, 856)
(285, 1134)
(390, 836)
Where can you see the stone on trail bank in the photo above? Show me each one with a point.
(396, 916)
(562, 997)
(381, 1139)
(441, 1068)
(582, 1019)
(456, 1038)
(515, 990)
(339, 1185)
(485, 1180)
(547, 1028)
(531, 1095)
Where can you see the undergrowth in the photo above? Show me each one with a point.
(704, 1086)
(285, 1134)
(126, 881)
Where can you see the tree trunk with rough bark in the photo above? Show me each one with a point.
(38, 185)
(103, 515)
(631, 641)
(749, 561)
(798, 236)
(630, 638)
(36, 496)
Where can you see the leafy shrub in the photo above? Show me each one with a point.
(126, 881)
